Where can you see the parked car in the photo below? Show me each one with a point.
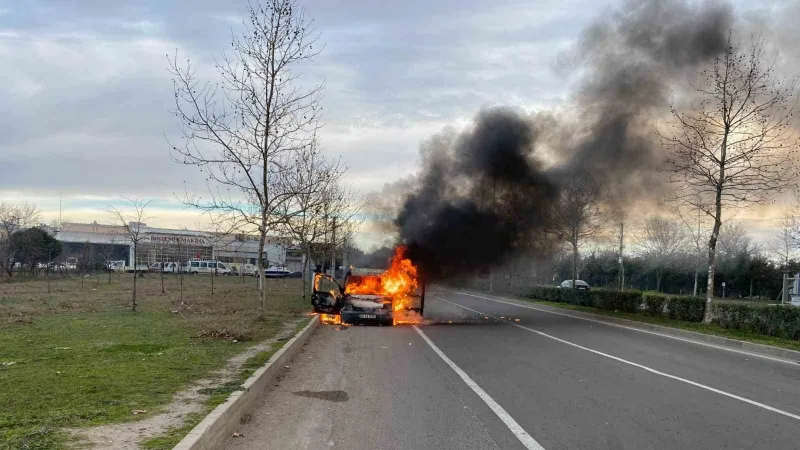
(277, 272)
(579, 285)
(197, 267)
(119, 266)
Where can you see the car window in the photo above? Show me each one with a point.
(195, 264)
(221, 266)
(203, 265)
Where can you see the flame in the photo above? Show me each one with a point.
(399, 282)
(330, 319)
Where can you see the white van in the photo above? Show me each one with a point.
(239, 269)
(198, 266)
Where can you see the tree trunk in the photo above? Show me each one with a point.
(133, 304)
(696, 273)
(213, 275)
(712, 241)
(658, 281)
(574, 263)
(135, 254)
(712, 265)
(306, 269)
(162, 271)
(261, 288)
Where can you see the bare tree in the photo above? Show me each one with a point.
(320, 197)
(14, 218)
(105, 253)
(243, 131)
(581, 214)
(132, 225)
(660, 240)
(735, 146)
(784, 243)
(697, 235)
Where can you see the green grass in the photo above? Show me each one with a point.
(217, 396)
(78, 357)
(712, 329)
(171, 438)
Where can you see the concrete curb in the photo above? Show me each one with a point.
(747, 347)
(219, 424)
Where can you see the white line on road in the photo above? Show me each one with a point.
(527, 440)
(640, 366)
(655, 333)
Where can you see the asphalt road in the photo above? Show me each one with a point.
(488, 374)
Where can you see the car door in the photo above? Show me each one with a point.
(327, 297)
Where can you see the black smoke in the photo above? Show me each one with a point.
(483, 191)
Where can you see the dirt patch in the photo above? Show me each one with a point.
(126, 436)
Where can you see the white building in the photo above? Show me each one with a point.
(162, 244)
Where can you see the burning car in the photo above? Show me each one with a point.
(394, 297)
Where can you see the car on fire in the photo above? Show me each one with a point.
(331, 299)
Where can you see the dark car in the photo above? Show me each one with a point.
(331, 298)
(579, 285)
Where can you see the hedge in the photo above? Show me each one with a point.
(654, 305)
(597, 298)
(772, 320)
(689, 309)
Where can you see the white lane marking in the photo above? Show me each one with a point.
(655, 333)
(640, 366)
(527, 440)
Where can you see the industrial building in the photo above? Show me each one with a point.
(162, 244)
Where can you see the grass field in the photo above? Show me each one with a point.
(78, 356)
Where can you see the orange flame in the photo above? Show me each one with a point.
(399, 282)
(330, 319)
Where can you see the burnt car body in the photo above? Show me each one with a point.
(329, 297)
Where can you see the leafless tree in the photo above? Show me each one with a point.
(580, 214)
(697, 235)
(244, 131)
(105, 253)
(660, 241)
(784, 243)
(734, 240)
(13, 218)
(735, 146)
(131, 223)
(322, 201)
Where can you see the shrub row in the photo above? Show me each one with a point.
(689, 309)
(772, 320)
(597, 298)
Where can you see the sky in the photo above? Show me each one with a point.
(86, 91)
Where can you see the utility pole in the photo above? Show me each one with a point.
(333, 248)
(621, 266)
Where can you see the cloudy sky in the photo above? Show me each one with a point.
(86, 91)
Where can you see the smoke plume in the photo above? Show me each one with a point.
(484, 190)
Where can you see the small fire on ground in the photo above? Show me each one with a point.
(330, 319)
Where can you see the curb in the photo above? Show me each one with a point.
(212, 432)
(746, 347)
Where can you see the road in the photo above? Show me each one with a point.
(491, 374)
